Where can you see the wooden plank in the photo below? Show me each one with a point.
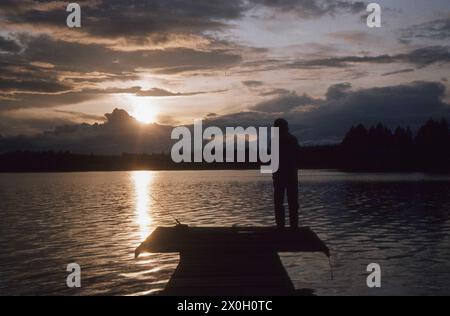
(231, 260)
(258, 239)
(241, 274)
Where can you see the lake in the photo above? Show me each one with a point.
(48, 220)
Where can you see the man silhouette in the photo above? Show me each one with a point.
(286, 179)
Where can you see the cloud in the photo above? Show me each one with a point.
(283, 103)
(354, 37)
(265, 91)
(327, 122)
(252, 83)
(47, 99)
(135, 21)
(11, 126)
(119, 133)
(338, 91)
(436, 30)
(312, 8)
(153, 92)
(43, 56)
(331, 117)
(172, 44)
(400, 101)
(82, 116)
(9, 46)
(25, 101)
(421, 57)
(396, 72)
(51, 72)
(406, 104)
(272, 92)
(68, 56)
(21, 77)
(31, 86)
(157, 21)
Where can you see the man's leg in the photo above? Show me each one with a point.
(292, 195)
(278, 190)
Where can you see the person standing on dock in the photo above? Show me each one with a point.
(285, 180)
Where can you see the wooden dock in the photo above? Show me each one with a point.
(229, 260)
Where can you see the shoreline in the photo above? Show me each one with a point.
(354, 171)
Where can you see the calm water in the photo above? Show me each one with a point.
(401, 222)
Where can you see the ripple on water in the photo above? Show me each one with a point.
(97, 220)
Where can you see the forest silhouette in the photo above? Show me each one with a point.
(374, 149)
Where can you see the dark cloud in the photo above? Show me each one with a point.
(86, 78)
(426, 56)
(436, 30)
(245, 119)
(48, 94)
(272, 92)
(418, 98)
(262, 90)
(421, 57)
(312, 8)
(8, 45)
(252, 83)
(338, 91)
(18, 77)
(129, 18)
(159, 17)
(406, 105)
(88, 58)
(153, 92)
(81, 115)
(396, 72)
(33, 99)
(48, 66)
(45, 100)
(31, 85)
(11, 126)
(159, 20)
(328, 121)
(283, 103)
(119, 133)
(69, 56)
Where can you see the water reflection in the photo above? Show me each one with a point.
(142, 181)
(401, 222)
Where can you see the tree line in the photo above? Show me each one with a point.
(376, 148)
(379, 148)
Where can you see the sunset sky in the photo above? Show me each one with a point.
(234, 62)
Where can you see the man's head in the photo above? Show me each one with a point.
(282, 124)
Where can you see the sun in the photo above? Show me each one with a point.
(144, 113)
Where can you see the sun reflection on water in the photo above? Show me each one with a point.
(142, 181)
